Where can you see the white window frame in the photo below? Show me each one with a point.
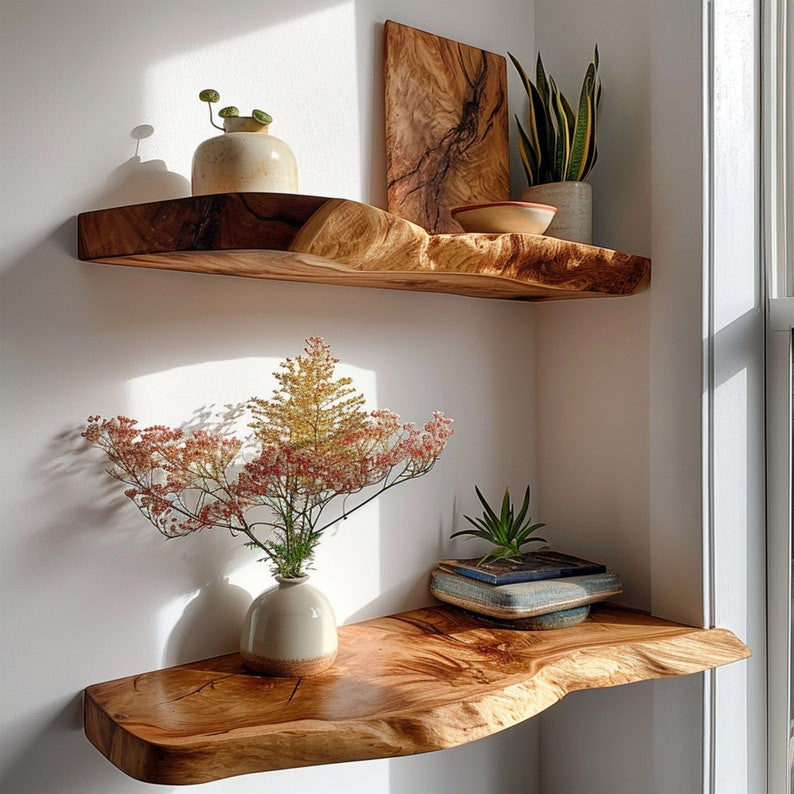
(747, 707)
(778, 226)
(735, 757)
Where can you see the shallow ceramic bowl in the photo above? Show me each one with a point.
(505, 217)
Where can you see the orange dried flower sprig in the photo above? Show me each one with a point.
(312, 442)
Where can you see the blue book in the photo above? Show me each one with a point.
(530, 567)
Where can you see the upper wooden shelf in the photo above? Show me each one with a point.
(403, 684)
(335, 241)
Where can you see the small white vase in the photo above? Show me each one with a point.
(574, 203)
(245, 159)
(290, 630)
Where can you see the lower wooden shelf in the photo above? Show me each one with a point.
(403, 684)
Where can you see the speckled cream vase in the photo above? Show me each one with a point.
(290, 630)
(574, 203)
(245, 159)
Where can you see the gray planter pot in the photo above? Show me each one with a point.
(574, 203)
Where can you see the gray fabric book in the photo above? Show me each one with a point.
(523, 599)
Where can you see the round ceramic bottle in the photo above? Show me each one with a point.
(290, 630)
(245, 159)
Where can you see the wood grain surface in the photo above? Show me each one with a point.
(336, 241)
(446, 126)
(403, 684)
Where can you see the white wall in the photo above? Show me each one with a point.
(619, 384)
(90, 591)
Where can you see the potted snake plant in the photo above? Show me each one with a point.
(558, 148)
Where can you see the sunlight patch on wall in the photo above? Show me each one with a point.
(731, 498)
(302, 71)
(735, 188)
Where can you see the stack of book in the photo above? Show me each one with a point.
(539, 590)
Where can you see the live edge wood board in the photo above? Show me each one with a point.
(403, 684)
(446, 126)
(336, 241)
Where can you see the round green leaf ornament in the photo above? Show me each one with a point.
(262, 117)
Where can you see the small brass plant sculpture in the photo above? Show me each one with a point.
(211, 96)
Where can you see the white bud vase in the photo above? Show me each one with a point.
(289, 631)
(245, 159)
(574, 203)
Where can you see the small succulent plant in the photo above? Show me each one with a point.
(507, 531)
(211, 96)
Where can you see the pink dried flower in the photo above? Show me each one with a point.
(314, 443)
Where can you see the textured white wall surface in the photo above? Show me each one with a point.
(90, 591)
(594, 402)
(619, 383)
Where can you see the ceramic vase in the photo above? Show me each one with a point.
(574, 203)
(289, 630)
(245, 159)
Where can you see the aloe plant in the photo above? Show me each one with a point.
(508, 531)
(558, 145)
(211, 96)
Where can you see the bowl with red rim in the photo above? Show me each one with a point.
(505, 217)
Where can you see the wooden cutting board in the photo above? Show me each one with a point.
(446, 126)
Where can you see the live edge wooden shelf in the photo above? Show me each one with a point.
(336, 241)
(402, 684)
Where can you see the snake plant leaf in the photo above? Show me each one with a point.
(570, 126)
(521, 72)
(592, 152)
(540, 79)
(229, 112)
(262, 117)
(549, 142)
(209, 95)
(595, 94)
(528, 156)
(597, 79)
(562, 148)
(583, 130)
(541, 123)
(570, 118)
(529, 143)
(595, 102)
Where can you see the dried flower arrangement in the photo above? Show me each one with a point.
(312, 442)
